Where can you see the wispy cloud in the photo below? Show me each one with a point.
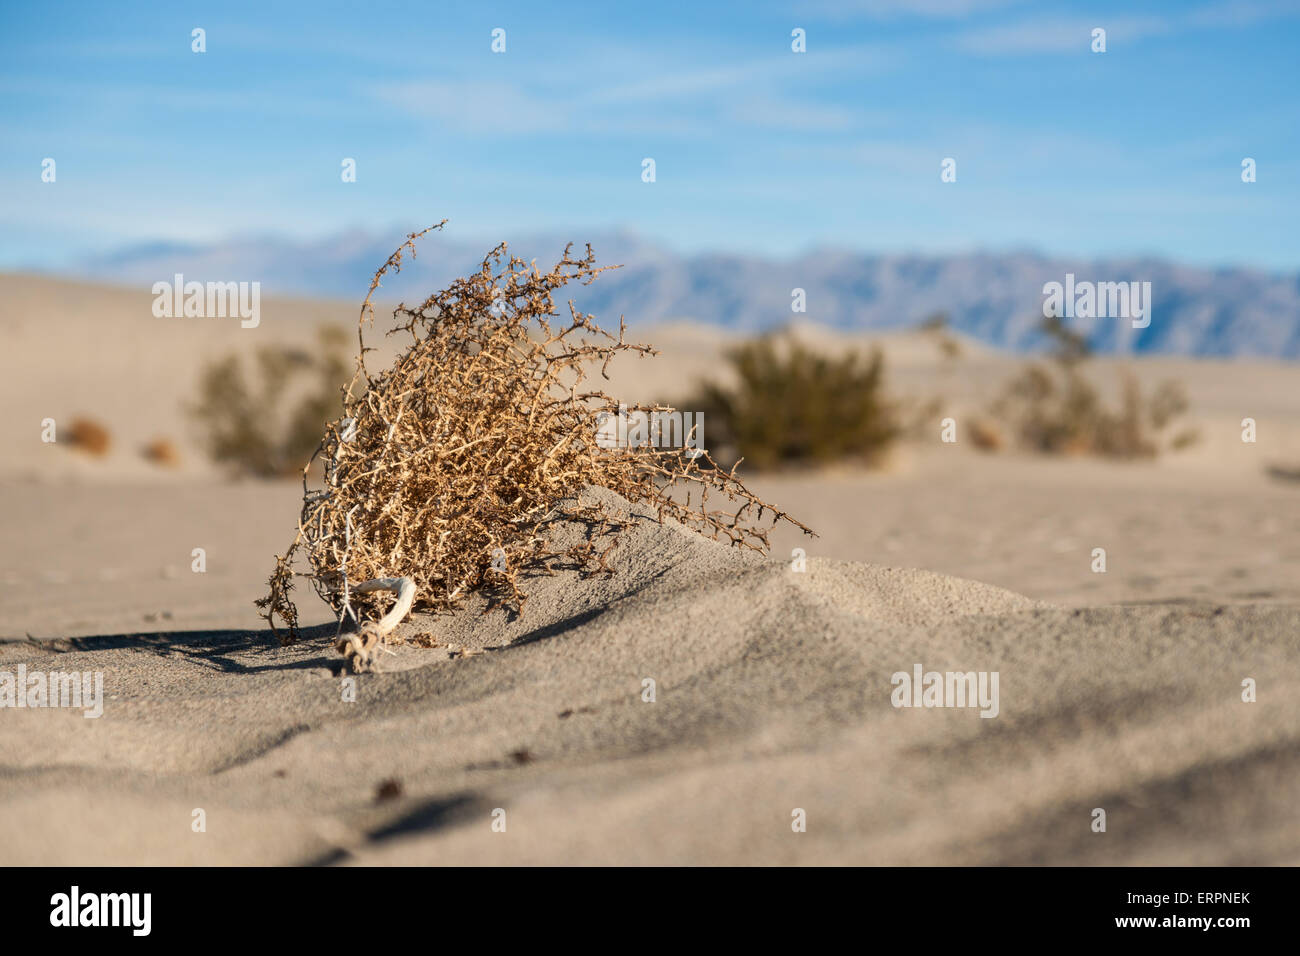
(1244, 13)
(664, 81)
(785, 113)
(1058, 35)
(672, 98)
(479, 106)
(843, 140)
(899, 9)
(1073, 33)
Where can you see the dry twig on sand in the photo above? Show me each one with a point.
(448, 467)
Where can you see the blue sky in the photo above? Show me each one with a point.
(758, 149)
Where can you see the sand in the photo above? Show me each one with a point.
(772, 693)
(773, 686)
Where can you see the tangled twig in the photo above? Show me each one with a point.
(449, 467)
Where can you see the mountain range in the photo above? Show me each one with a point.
(996, 298)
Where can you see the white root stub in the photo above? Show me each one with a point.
(360, 648)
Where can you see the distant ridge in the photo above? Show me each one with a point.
(995, 298)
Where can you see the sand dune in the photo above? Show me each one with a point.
(77, 348)
(773, 687)
(772, 693)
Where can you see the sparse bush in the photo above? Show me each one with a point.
(937, 329)
(1057, 410)
(245, 424)
(450, 467)
(915, 414)
(161, 451)
(1283, 472)
(88, 435)
(791, 405)
(985, 435)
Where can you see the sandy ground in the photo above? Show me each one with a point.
(772, 686)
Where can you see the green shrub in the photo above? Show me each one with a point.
(246, 425)
(793, 406)
(1055, 409)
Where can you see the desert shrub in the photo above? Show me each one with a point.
(249, 423)
(916, 414)
(791, 405)
(1054, 408)
(88, 435)
(985, 435)
(936, 328)
(450, 467)
(161, 451)
(1283, 472)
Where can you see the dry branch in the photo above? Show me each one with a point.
(447, 469)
